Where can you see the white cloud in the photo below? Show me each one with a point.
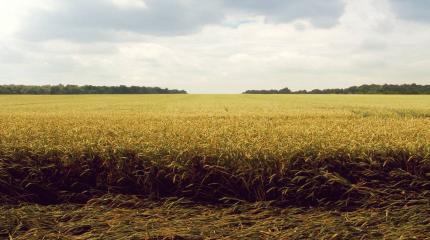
(12, 13)
(130, 3)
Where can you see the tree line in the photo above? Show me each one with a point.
(86, 89)
(362, 89)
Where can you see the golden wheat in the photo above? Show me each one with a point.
(292, 149)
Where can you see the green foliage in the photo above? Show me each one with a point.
(363, 89)
(86, 89)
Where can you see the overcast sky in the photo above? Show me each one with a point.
(215, 46)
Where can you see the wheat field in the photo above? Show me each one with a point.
(312, 155)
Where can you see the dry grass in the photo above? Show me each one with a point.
(127, 217)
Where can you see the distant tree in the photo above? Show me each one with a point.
(363, 89)
(284, 90)
(272, 91)
(300, 92)
(86, 89)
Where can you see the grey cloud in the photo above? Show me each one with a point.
(84, 20)
(10, 56)
(414, 10)
(95, 20)
(373, 45)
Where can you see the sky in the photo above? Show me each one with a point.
(216, 46)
